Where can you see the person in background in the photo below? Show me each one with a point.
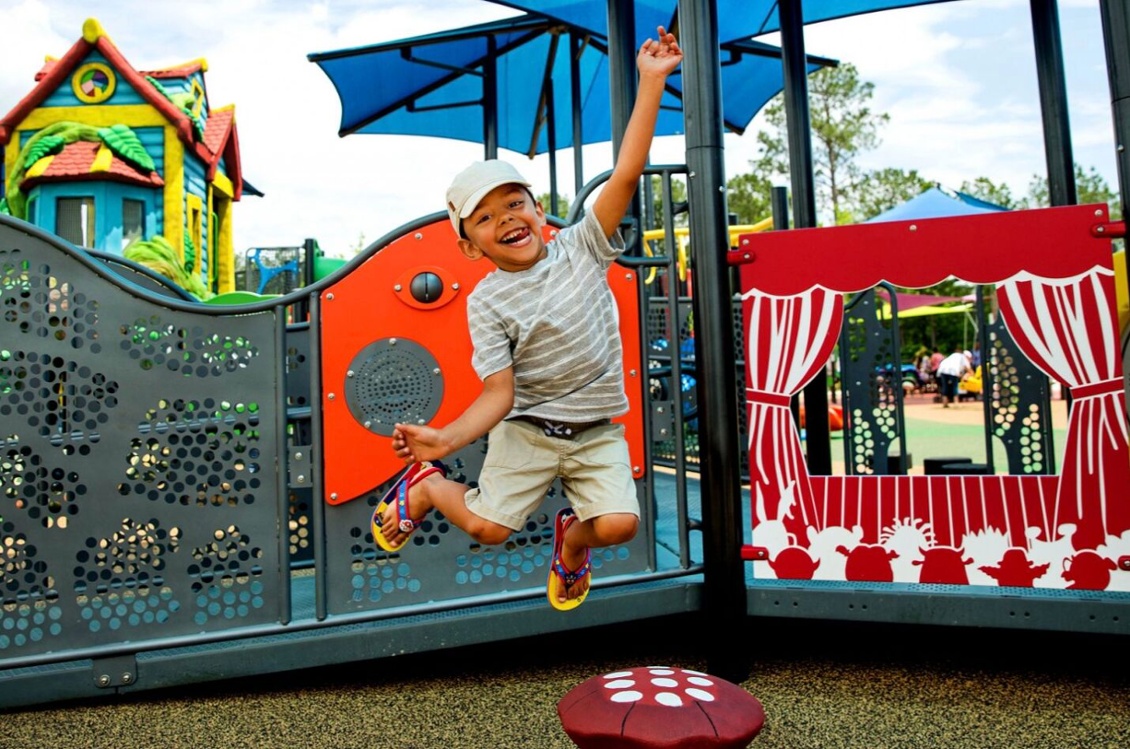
(951, 370)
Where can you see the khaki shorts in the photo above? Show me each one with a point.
(522, 462)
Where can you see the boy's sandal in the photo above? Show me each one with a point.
(398, 493)
(561, 578)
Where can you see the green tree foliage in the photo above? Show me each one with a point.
(884, 189)
(985, 189)
(562, 204)
(843, 126)
(1090, 187)
(748, 197)
(657, 216)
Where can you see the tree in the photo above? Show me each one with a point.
(843, 126)
(883, 189)
(985, 189)
(1090, 187)
(678, 199)
(562, 204)
(748, 197)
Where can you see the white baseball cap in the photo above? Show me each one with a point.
(472, 185)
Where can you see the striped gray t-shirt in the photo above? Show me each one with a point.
(558, 325)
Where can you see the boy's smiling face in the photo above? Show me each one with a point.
(506, 227)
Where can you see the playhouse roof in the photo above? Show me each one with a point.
(219, 142)
(79, 161)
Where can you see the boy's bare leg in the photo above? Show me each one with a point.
(601, 531)
(436, 492)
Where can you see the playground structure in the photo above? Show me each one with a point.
(105, 155)
(187, 488)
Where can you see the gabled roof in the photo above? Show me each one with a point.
(179, 71)
(219, 140)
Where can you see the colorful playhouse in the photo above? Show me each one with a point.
(105, 155)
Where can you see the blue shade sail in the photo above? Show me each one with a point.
(515, 77)
(737, 19)
(937, 203)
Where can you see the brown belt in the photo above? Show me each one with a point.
(561, 429)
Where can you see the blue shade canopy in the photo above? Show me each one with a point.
(737, 19)
(515, 77)
(937, 203)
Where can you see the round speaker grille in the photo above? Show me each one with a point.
(393, 380)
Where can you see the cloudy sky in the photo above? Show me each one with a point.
(957, 79)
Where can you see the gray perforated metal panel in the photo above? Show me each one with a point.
(139, 459)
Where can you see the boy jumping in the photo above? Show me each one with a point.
(546, 339)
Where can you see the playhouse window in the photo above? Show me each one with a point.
(133, 221)
(74, 220)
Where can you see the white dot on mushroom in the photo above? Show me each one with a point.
(627, 696)
(620, 684)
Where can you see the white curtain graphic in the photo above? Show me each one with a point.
(1068, 328)
(790, 340)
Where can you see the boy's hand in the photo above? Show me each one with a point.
(659, 57)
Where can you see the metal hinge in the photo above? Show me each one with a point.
(662, 421)
(117, 671)
(298, 467)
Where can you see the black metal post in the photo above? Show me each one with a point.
(490, 101)
(1053, 102)
(719, 447)
(818, 434)
(621, 66)
(551, 138)
(622, 46)
(576, 44)
(1116, 38)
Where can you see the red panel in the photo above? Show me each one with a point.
(366, 306)
(927, 251)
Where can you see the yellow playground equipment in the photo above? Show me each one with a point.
(1121, 294)
(682, 241)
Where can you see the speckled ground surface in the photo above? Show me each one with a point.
(823, 686)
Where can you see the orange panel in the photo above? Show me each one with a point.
(373, 305)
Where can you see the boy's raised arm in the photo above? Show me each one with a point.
(656, 60)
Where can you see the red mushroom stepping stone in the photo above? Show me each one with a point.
(657, 706)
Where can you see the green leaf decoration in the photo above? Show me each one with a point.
(4, 207)
(124, 142)
(160, 88)
(189, 253)
(54, 136)
(45, 146)
(183, 100)
(158, 255)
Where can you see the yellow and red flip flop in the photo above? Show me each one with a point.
(413, 475)
(561, 578)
